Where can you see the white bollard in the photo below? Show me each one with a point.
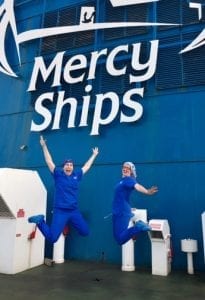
(128, 263)
(190, 266)
(128, 255)
(58, 250)
(189, 246)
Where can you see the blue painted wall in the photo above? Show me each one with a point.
(167, 145)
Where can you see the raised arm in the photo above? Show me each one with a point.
(47, 156)
(90, 161)
(140, 188)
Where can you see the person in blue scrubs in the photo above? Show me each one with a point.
(66, 211)
(121, 209)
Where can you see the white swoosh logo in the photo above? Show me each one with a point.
(45, 32)
(197, 42)
(8, 19)
(117, 3)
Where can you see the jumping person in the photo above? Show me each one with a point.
(121, 209)
(66, 209)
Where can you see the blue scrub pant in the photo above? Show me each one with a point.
(62, 217)
(121, 232)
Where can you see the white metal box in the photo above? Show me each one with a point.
(22, 194)
(161, 248)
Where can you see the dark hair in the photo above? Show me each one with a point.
(67, 161)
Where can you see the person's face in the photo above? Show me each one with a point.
(126, 170)
(68, 168)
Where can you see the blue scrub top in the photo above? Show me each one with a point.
(123, 189)
(66, 188)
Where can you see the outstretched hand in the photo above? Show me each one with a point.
(152, 190)
(90, 161)
(95, 151)
(42, 141)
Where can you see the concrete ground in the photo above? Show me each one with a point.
(75, 280)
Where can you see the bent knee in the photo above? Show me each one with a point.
(119, 240)
(53, 239)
